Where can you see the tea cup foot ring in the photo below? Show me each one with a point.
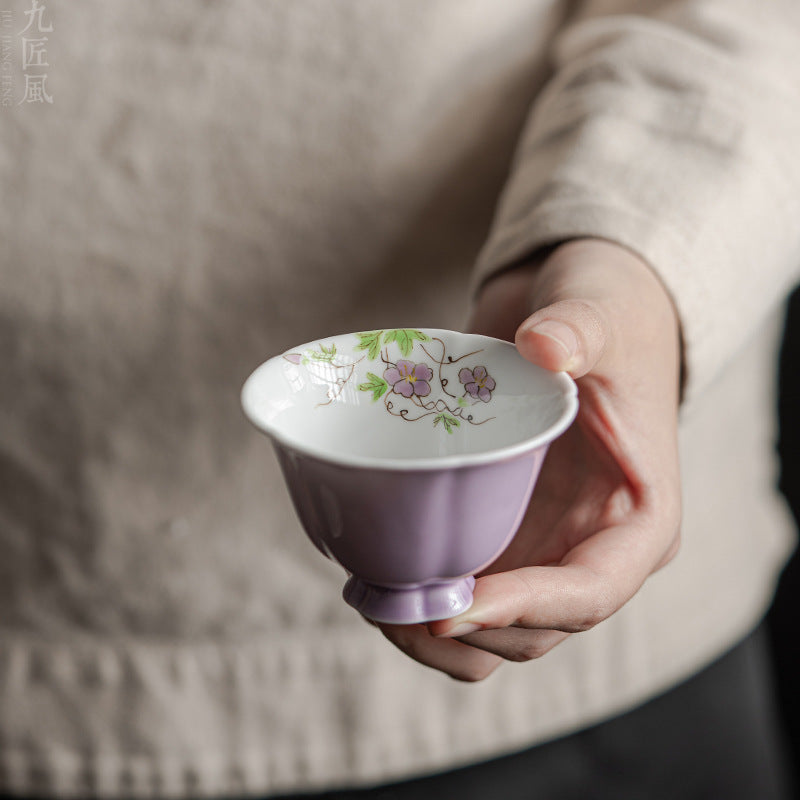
(412, 604)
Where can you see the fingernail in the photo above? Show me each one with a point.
(462, 629)
(560, 333)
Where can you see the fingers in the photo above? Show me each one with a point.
(456, 659)
(568, 336)
(515, 644)
(596, 579)
(524, 613)
(564, 598)
(475, 656)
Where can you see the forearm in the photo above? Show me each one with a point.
(675, 135)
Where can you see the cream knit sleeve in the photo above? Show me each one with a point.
(677, 134)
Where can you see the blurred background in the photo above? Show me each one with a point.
(784, 617)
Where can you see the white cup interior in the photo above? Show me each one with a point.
(325, 408)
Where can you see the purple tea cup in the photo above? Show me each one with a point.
(410, 456)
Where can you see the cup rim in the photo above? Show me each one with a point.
(563, 381)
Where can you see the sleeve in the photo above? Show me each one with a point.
(676, 134)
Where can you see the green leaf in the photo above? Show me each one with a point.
(325, 354)
(447, 421)
(405, 338)
(371, 342)
(462, 401)
(374, 384)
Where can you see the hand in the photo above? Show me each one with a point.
(605, 513)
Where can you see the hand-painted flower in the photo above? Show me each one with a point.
(478, 383)
(408, 378)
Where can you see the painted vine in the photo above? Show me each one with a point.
(410, 388)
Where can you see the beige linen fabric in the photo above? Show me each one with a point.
(215, 183)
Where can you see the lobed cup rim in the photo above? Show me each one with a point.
(562, 382)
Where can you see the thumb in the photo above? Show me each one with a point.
(569, 336)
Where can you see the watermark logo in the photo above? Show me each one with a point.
(34, 55)
(6, 58)
(31, 44)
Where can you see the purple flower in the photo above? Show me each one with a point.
(478, 383)
(408, 378)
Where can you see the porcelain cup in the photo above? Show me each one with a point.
(410, 456)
